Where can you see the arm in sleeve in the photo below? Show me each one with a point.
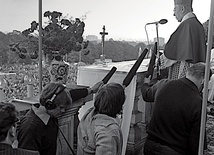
(109, 143)
(148, 92)
(77, 94)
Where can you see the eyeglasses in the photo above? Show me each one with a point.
(56, 57)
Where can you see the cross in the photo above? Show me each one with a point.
(103, 39)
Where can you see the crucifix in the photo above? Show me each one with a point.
(103, 40)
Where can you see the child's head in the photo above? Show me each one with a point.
(110, 99)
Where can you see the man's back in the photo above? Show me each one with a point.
(176, 116)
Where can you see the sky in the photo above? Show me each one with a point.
(123, 19)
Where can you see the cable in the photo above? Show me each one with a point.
(60, 145)
(65, 139)
(67, 142)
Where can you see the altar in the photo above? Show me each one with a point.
(136, 112)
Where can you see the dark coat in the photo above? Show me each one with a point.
(176, 116)
(6, 149)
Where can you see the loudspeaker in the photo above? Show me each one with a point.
(49, 105)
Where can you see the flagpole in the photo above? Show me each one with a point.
(207, 71)
(40, 46)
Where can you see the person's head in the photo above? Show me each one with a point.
(55, 98)
(181, 8)
(196, 74)
(109, 99)
(8, 119)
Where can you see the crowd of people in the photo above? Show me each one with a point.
(17, 77)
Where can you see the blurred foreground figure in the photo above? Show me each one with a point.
(99, 131)
(8, 120)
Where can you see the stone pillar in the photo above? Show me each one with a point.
(68, 123)
(141, 115)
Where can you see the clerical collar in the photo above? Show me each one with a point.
(41, 113)
(188, 15)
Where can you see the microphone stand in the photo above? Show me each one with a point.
(158, 54)
(162, 21)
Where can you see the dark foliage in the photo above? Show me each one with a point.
(62, 35)
(115, 50)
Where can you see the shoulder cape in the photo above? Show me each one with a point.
(187, 42)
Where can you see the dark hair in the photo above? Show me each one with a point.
(49, 91)
(8, 118)
(110, 99)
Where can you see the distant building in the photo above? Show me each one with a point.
(92, 38)
(161, 41)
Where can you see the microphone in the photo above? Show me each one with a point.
(162, 21)
(134, 68)
(109, 75)
(152, 61)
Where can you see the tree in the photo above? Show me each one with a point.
(60, 36)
